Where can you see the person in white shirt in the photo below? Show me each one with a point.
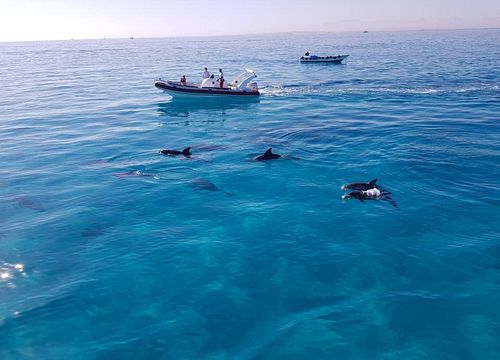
(221, 78)
(206, 74)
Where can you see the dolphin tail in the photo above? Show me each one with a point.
(391, 201)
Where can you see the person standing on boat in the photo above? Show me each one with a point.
(183, 80)
(206, 74)
(220, 79)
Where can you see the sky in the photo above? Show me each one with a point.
(25, 20)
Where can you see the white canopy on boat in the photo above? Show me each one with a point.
(242, 80)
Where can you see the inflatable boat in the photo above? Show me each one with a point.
(240, 86)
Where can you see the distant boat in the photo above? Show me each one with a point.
(365, 32)
(242, 85)
(307, 58)
(131, 38)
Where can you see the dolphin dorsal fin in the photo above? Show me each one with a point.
(186, 150)
(269, 151)
(373, 182)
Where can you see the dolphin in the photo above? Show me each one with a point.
(268, 155)
(361, 186)
(186, 152)
(29, 203)
(371, 194)
(134, 173)
(204, 184)
(92, 230)
(205, 147)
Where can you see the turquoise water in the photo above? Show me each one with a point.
(268, 262)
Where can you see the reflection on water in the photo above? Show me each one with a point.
(182, 107)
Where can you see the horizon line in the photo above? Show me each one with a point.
(131, 37)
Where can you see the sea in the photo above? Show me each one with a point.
(111, 250)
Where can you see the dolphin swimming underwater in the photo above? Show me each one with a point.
(134, 174)
(371, 194)
(207, 185)
(361, 186)
(268, 155)
(28, 203)
(203, 184)
(186, 152)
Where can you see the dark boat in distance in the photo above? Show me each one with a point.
(307, 58)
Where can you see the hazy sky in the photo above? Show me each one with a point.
(84, 19)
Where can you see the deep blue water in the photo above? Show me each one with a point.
(273, 265)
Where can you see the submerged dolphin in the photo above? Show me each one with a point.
(371, 194)
(92, 230)
(208, 147)
(186, 152)
(134, 173)
(361, 186)
(268, 155)
(29, 203)
(204, 184)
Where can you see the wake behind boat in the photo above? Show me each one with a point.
(240, 86)
(307, 58)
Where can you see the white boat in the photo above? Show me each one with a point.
(240, 86)
(323, 59)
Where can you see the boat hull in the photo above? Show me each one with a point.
(175, 89)
(324, 59)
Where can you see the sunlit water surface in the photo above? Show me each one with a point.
(268, 262)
